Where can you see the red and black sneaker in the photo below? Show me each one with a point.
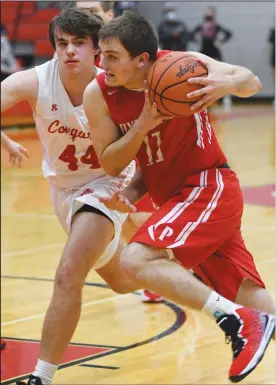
(250, 332)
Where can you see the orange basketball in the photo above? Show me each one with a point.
(167, 83)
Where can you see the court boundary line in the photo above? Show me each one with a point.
(179, 321)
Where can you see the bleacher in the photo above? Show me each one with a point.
(27, 25)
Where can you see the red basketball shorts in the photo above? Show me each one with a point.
(200, 225)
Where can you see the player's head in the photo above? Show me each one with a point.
(128, 44)
(74, 36)
(102, 8)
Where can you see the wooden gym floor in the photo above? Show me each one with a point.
(120, 340)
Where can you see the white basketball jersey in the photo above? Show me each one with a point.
(69, 158)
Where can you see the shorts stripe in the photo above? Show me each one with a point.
(204, 216)
(199, 126)
(180, 207)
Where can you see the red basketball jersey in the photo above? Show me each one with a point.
(171, 151)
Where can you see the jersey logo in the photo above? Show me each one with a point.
(111, 92)
(87, 191)
(54, 107)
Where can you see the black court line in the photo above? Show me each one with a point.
(179, 321)
(50, 280)
(71, 343)
(100, 366)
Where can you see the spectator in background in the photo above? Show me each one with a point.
(121, 6)
(212, 34)
(172, 31)
(8, 61)
(271, 40)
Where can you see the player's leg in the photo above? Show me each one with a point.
(151, 267)
(251, 294)
(115, 276)
(90, 234)
(89, 237)
(130, 226)
(231, 271)
(183, 226)
(249, 330)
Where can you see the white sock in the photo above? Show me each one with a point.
(217, 305)
(45, 372)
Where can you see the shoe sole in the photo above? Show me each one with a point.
(268, 333)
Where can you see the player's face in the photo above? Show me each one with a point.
(120, 69)
(75, 53)
(96, 8)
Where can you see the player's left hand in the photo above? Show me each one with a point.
(118, 202)
(215, 86)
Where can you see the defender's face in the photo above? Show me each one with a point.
(74, 53)
(120, 69)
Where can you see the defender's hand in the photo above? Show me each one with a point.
(119, 203)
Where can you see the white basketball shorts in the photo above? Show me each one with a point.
(67, 202)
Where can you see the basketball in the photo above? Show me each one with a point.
(168, 86)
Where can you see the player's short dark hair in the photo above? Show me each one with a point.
(136, 34)
(76, 22)
(107, 5)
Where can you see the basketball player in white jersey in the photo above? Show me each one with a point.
(104, 9)
(54, 90)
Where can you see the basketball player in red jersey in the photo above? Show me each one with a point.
(104, 9)
(182, 166)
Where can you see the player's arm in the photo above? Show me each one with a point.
(222, 79)
(115, 151)
(20, 86)
(239, 81)
(17, 87)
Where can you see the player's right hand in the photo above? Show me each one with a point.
(118, 202)
(17, 153)
(150, 117)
